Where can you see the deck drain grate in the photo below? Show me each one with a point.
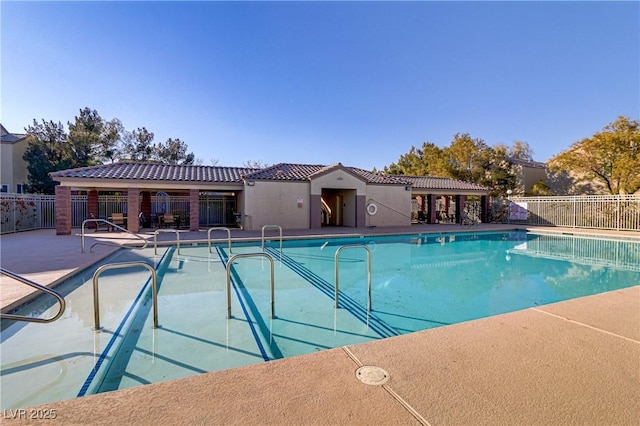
(372, 375)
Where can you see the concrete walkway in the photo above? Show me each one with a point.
(573, 362)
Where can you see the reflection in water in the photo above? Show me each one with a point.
(619, 254)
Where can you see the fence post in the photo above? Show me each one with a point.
(15, 204)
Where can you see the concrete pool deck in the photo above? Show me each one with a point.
(573, 362)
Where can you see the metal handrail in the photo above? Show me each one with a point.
(272, 227)
(220, 228)
(113, 225)
(100, 270)
(37, 286)
(337, 256)
(155, 238)
(230, 262)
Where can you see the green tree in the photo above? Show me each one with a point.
(426, 161)
(411, 163)
(110, 146)
(174, 151)
(541, 188)
(611, 156)
(499, 175)
(85, 135)
(47, 151)
(467, 158)
(139, 146)
(521, 151)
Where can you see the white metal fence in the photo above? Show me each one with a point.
(21, 212)
(24, 212)
(618, 253)
(616, 212)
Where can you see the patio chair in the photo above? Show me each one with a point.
(169, 220)
(118, 219)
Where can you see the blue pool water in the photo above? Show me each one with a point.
(417, 282)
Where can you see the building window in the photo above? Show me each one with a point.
(19, 188)
(4, 188)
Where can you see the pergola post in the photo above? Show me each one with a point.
(431, 209)
(92, 207)
(146, 208)
(63, 210)
(133, 209)
(194, 209)
(460, 200)
(484, 209)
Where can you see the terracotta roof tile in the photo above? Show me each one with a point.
(278, 172)
(428, 182)
(159, 172)
(304, 172)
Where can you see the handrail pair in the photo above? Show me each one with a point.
(230, 263)
(37, 286)
(155, 237)
(112, 225)
(337, 263)
(100, 270)
(220, 228)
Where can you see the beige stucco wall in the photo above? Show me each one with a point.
(276, 203)
(20, 173)
(338, 179)
(526, 177)
(6, 171)
(394, 205)
(14, 168)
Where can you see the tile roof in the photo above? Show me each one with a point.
(371, 177)
(304, 172)
(428, 182)
(158, 172)
(278, 172)
(286, 171)
(7, 137)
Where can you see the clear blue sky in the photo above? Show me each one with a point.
(326, 82)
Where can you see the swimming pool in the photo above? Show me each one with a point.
(417, 282)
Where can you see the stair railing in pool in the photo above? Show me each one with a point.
(155, 239)
(337, 259)
(122, 265)
(220, 228)
(37, 286)
(113, 225)
(272, 227)
(238, 256)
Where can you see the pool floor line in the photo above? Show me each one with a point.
(379, 326)
(236, 282)
(117, 333)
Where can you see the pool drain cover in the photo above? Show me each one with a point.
(371, 375)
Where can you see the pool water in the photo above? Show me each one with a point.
(417, 282)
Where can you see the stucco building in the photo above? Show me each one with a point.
(294, 196)
(13, 170)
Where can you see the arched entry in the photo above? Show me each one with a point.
(163, 203)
